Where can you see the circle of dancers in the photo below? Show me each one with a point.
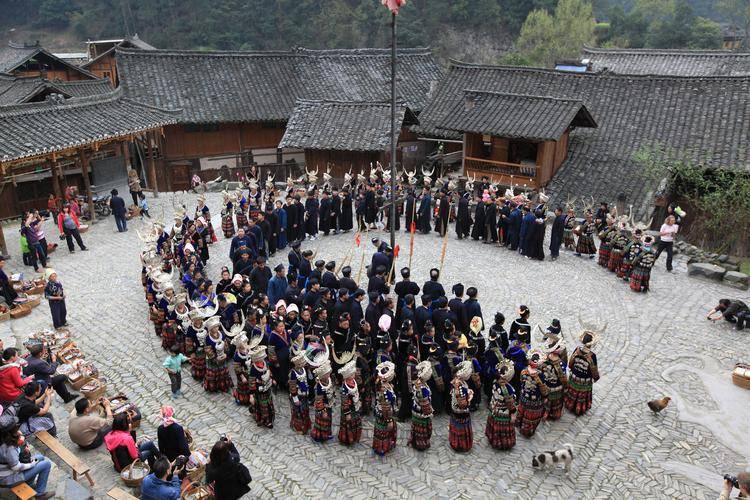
(301, 331)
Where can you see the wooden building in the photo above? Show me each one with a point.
(701, 119)
(102, 60)
(35, 61)
(344, 135)
(668, 62)
(515, 139)
(48, 145)
(236, 104)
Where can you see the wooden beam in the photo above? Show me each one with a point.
(54, 170)
(87, 183)
(151, 164)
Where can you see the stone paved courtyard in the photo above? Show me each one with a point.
(655, 344)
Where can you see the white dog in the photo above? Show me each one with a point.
(550, 458)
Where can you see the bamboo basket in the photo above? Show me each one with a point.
(33, 300)
(5, 316)
(20, 311)
(96, 392)
(741, 375)
(197, 491)
(127, 474)
(83, 228)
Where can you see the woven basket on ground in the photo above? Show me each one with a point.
(20, 311)
(741, 375)
(133, 474)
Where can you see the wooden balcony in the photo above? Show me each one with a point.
(503, 173)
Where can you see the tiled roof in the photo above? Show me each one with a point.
(343, 126)
(516, 116)
(669, 62)
(126, 43)
(18, 90)
(14, 55)
(28, 130)
(264, 86)
(703, 118)
(84, 88)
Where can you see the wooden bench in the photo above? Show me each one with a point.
(23, 491)
(56, 447)
(119, 494)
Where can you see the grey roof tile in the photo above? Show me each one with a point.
(28, 130)
(343, 126)
(670, 62)
(516, 116)
(18, 90)
(264, 86)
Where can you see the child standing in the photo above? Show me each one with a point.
(143, 205)
(173, 365)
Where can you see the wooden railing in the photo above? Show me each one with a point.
(503, 172)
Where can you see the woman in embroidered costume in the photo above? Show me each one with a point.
(179, 319)
(584, 371)
(241, 358)
(421, 408)
(384, 434)
(227, 222)
(586, 231)
(261, 383)
(460, 434)
(324, 396)
(164, 294)
(619, 240)
(553, 372)
(350, 430)
(217, 378)
(298, 394)
(500, 430)
(632, 249)
(570, 224)
(194, 339)
(642, 264)
(605, 241)
(532, 399)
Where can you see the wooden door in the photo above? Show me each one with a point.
(181, 177)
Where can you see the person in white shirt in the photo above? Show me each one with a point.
(666, 239)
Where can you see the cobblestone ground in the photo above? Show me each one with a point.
(655, 344)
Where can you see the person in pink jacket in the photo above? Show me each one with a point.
(67, 223)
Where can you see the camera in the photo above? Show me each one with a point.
(180, 461)
(733, 480)
(223, 437)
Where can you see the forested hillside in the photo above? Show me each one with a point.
(480, 30)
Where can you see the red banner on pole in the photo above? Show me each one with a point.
(357, 239)
(394, 5)
(413, 227)
(396, 251)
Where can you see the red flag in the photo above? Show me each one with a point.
(357, 240)
(396, 251)
(393, 5)
(413, 227)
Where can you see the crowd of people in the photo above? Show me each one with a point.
(303, 329)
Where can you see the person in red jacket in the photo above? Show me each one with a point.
(11, 380)
(67, 223)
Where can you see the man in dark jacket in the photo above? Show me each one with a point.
(422, 314)
(328, 279)
(377, 282)
(556, 235)
(472, 308)
(463, 217)
(403, 288)
(117, 205)
(260, 276)
(355, 309)
(346, 280)
(433, 288)
(456, 304)
(44, 372)
(424, 215)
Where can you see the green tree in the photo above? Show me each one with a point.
(54, 13)
(705, 34)
(546, 38)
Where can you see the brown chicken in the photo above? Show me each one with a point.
(658, 405)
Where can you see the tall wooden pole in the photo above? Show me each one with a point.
(54, 170)
(151, 164)
(393, 130)
(87, 183)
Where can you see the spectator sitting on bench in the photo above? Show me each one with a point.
(85, 427)
(34, 410)
(164, 482)
(17, 465)
(121, 445)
